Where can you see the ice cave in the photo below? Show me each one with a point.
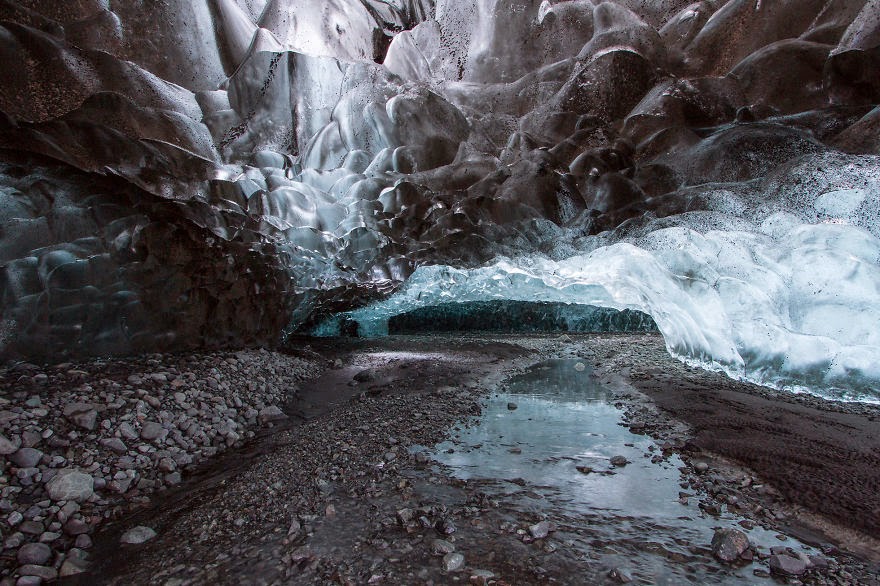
(299, 178)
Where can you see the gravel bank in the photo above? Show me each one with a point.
(81, 443)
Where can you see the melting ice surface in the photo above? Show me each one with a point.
(790, 305)
(563, 420)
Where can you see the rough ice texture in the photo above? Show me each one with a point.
(210, 173)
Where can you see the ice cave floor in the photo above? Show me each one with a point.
(539, 459)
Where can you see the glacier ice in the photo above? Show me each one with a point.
(227, 172)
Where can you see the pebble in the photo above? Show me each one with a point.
(512, 406)
(620, 576)
(26, 457)
(453, 562)
(619, 461)
(7, 446)
(137, 535)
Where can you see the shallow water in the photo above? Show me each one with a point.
(628, 517)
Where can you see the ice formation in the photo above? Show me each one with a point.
(223, 172)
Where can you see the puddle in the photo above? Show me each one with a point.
(547, 442)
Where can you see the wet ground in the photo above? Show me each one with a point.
(411, 451)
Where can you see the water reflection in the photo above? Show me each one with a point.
(548, 441)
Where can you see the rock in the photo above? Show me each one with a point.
(271, 413)
(29, 581)
(541, 530)
(441, 547)
(83, 415)
(512, 406)
(114, 444)
(453, 562)
(619, 461)
(14, 518)
(34, 553)
(619, 576)
(43, 572)
(153, 431)
(701, 467)
(786, 565)
(137, 535)
(26, 457)
(76, 527)
(481, 577)
(83, 541)
(75, 563)
(584, 469)
(8, 446)
(580, 366)
(729, 544)
(71, 485)
(127, 431)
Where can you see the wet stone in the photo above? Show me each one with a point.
(619, 461)
(453, 562)
(729, 545)
(541, 530)
(786, 565)
(26, 457)
(619, 576)
(441, 547)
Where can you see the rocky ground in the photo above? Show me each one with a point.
(82, 443)
(344, 491)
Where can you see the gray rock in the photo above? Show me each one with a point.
(512, 406)
(26, 457)
(729, 544)
(137, 535)
(785, 565)
(441, 547)
(153, 431)
(8, 446)
(541, 530)
(115, 444)
(481, 577)
(34, 553)
(83, 415)
(14, 518)
(71, 485)
(127, 431)
(620, 576)
(76, 527)
(29, 581)
(453, 562)
(83, 541)
(271, 413)
(43, 572)
(32, 527)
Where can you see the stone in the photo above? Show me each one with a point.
(541, 530)
(701, 467)
(153, 431)
(619, 461)
(512, 406)
(729, 544)
(137, 535)
(786, 565)
(76, 527)
(481, 577)
(83, 415)
(453, 562)
(441, 547)
(26, 457)
(14, 518)
(114, 444)
(34, 553)
(620, 576)
(8, 446)
(44, 572)
(71, 485)
(83, 541)
(271, 413)
(127, 431)
(29, 581)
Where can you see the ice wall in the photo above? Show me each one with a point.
(223, 172)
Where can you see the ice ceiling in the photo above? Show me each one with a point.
(204, 172)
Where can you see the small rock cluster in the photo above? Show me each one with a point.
(79, 442)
